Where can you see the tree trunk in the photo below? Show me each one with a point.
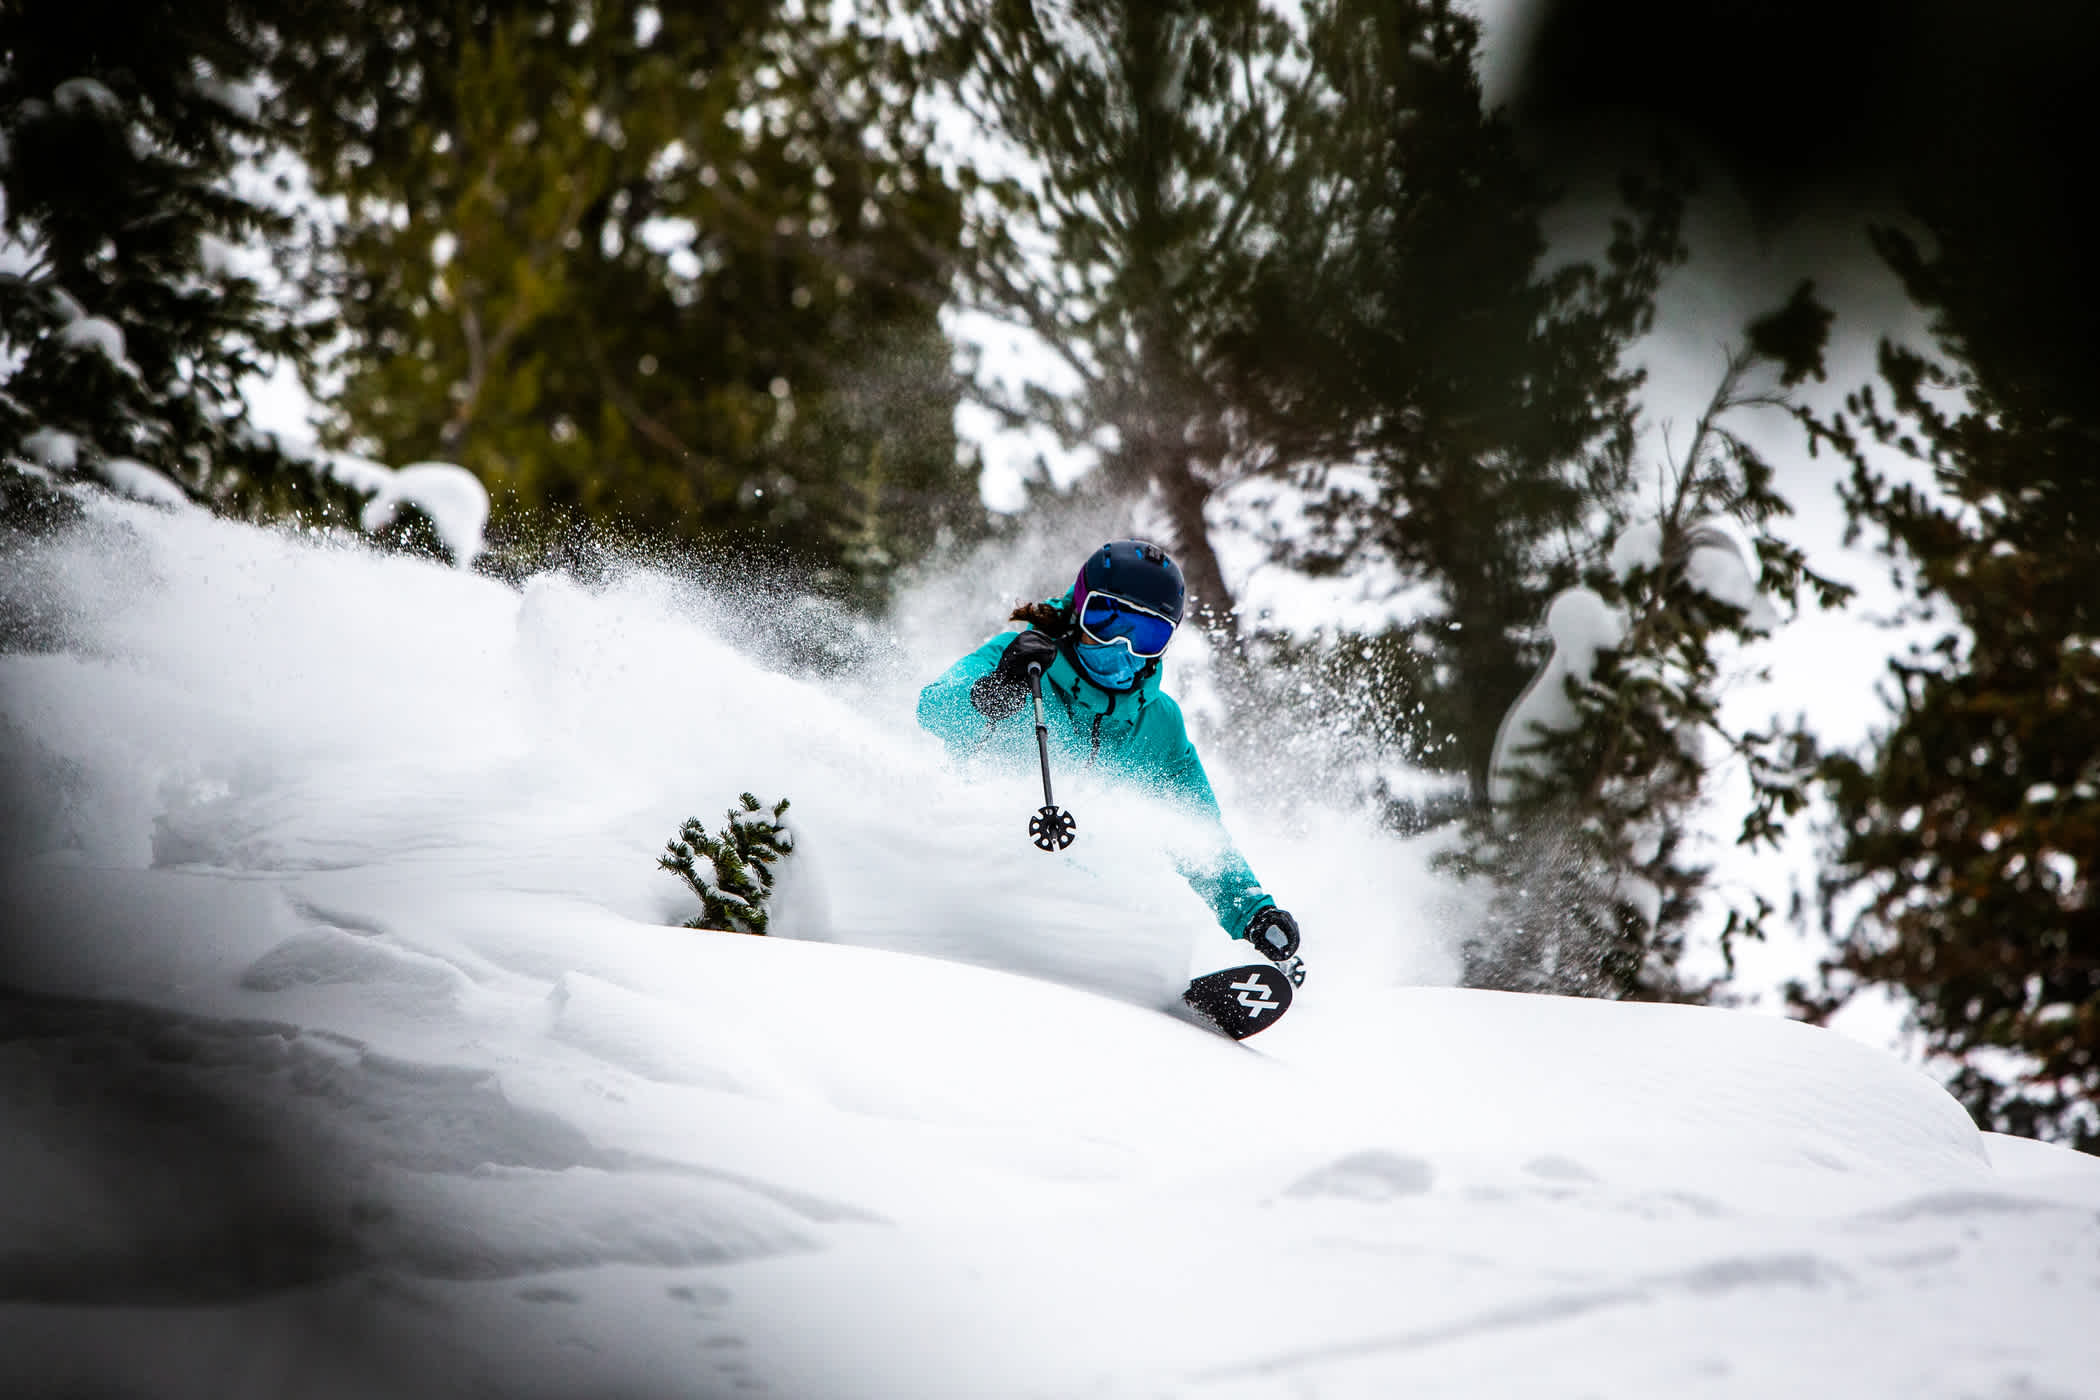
(1210, 603)
(1184, 495)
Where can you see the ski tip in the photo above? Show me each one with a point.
(1240, 1001)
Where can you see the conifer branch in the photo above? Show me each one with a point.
(731, 873)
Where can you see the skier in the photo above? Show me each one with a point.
(1099, 647)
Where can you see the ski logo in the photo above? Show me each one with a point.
(1254, 994)
(1239, 1001)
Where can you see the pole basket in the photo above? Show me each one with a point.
(1052, 829)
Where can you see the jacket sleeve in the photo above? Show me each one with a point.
(944, 706)
(1215, 869)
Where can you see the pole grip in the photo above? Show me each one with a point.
(1035, 688)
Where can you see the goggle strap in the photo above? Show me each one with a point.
(1122, 602)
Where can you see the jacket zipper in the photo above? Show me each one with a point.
(1094, 755)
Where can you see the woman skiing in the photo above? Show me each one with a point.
(1098, 647)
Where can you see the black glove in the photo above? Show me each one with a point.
(1274, 934)
(1001, 691)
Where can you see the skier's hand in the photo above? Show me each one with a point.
(1274, 934)
(1001, 691)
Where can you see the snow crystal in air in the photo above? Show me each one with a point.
(357, 473)
(449, 495)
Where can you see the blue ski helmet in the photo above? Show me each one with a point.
(1135, 570)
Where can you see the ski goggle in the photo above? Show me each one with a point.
(1105, 619)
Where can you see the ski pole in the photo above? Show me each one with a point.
(1051, 829)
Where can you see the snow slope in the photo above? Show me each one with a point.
(346, 1049)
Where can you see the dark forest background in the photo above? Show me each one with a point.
(690, 274)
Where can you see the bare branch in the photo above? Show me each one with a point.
(518, 317)
(630, 409)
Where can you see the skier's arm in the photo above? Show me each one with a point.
(944, 706)
(1216, 870)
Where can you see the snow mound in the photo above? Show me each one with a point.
(97, 335)
(142, 483)
(451, 496)
(1581, 625)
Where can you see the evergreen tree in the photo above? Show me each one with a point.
(127, 325)
(1460, 415)
(678, 267)
(1961, 873)
(1294, 242)
(1455, 411)
(1158, 142)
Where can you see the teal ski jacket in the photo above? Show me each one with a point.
(1135, 735)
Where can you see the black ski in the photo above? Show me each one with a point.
(1241, 1001)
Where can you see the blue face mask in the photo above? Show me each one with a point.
(1112, 666)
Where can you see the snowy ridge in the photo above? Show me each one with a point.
(350, 1051)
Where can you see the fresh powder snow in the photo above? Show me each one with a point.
(142, 483)
(449, 495)
(97, 335)
(350, 1049)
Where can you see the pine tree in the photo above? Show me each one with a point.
(128, 323)
(1602, 766)
(1455, 411)
(1460, 415)
(1157, 141)
(678, 267)
(1961, 871)
(737, 878)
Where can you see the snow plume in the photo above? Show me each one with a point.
(229, 697)
(1295, 770)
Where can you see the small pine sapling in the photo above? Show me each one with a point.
(732, 873)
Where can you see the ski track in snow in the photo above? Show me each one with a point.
(347, 1048)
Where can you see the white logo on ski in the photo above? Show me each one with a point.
(1255, 996)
